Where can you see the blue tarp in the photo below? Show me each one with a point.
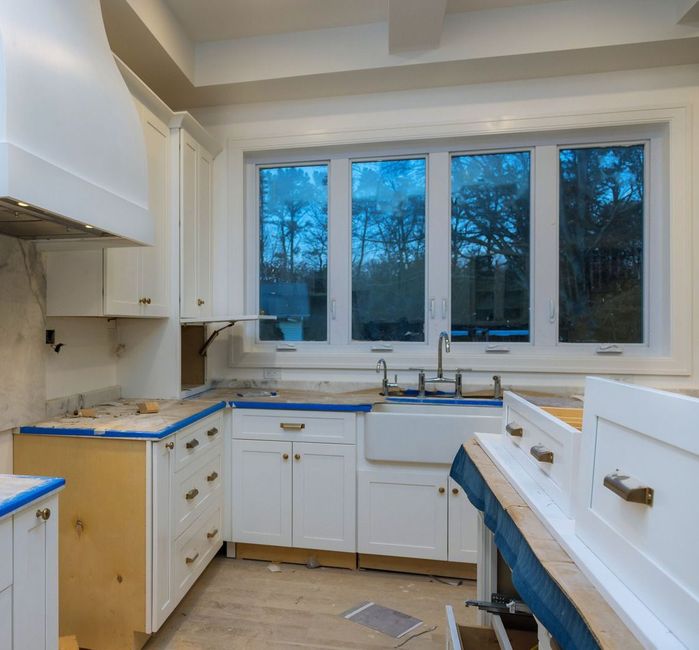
(533, 583)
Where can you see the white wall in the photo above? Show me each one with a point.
(395, 117)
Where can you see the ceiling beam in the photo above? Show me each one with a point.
(415, 24)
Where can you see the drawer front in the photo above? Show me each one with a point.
(6, 553)
(196, 487)
(194, 550)
(546, 447)
(6, 618)
(294, 426)
(637, 438)
(194, 440)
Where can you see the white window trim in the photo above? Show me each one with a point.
(674, 360)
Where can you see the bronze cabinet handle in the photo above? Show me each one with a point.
(285, 456)
(542, 454)
(189, 560)
(441, 490)
(212, 477)
(628, 488)
(169, 445)
(192, 494)
(212, 432)
(192, 443)
(455, 490)
(43, 513)
(292, 426)
(297, 456)
(514, 430)
(212, 534)
(200, 302)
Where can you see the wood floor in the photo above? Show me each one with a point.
(241, 605)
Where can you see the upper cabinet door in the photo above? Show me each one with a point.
(324, 496)
(155, 260)
(204, 232)
(189, 152)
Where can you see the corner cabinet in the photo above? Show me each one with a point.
(196, 150)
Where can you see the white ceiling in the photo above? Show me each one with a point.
(214, 20)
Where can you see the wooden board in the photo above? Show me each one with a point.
(102, 534)
(571, 416)
(416, 565)
(281, 554)
(603, 622)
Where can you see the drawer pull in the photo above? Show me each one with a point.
(192, 494)
(629, 489)
(192, 443)
(190, 560)
(542, 454)
(212, 477)
(212, 432)
(514, 430)
(212, 534)
(292, 426)
(169, 445)
(43, 513)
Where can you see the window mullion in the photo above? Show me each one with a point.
(339, 253)
(544, 254)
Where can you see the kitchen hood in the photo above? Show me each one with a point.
(73, 163)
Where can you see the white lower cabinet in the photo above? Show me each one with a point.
(294, 494)
(415, 512)
(29, 607)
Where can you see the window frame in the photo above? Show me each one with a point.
(665, 353)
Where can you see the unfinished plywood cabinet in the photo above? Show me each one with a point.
(196, 151)
(126, 558)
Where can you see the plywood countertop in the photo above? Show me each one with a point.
(121, 419)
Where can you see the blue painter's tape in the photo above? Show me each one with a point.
(445, 401)
(136, 435)
(299, 406)
(24, 497)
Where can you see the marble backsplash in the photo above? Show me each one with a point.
(22, 323)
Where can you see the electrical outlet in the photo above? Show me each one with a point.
(50, 337)
(272, 373)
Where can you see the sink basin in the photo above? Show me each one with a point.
(419, 432)
(444, 400)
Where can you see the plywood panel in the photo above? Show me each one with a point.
(295, 555)
(102, 534)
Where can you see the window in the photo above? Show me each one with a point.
(601, 244)
(293, 212)
(536, 247)
(490, 204)
(388, 250)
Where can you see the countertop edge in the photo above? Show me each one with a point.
(24, 497)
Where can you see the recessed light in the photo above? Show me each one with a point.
(88, 226)
(22, 204)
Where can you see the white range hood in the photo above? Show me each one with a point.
(73, 163)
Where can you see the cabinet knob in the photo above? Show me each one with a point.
(455, 490)
(297, 456)
(192, 443)
(442, 490)
(200, 302)
(285, 456)
(148, 301)
(192, 494)
(43, 513)
(169, 445)
(141, 301)
(212, 477)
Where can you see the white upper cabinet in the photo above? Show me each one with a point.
(196, 191)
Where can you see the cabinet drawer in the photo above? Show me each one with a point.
(301, 426)
(194, 550)
(196, 487)
(6, 617)
(636, 438)
(5, 553)
(546, 447)
(193, 441)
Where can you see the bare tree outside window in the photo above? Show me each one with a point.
(294, 252)
(601, 244)
(490, 206)
(388, 250)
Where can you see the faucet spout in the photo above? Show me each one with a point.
(443, 336)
